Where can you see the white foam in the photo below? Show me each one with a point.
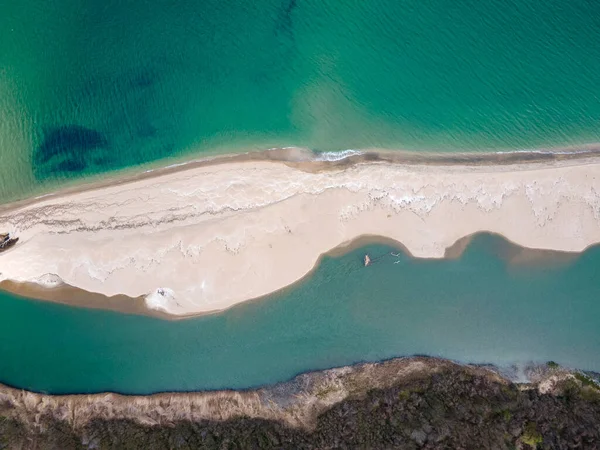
(160, 299)
(45, 195)
(181, 164)
(48, 280)
(337, 156)
(545, 152)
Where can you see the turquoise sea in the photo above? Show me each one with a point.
(478, 308)
(89, 86)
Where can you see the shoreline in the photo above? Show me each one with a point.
(252, 227)
(67, 295)
(322, 409)
(526, 372)
(423, 361)
(305, 159)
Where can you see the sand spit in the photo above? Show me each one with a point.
(204, 238)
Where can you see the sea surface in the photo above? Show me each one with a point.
(90, 86)
(478, 308)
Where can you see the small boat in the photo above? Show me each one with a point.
(6, 241)
(367, 260)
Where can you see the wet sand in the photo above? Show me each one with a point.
(203, 237)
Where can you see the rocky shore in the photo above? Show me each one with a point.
(401, 403)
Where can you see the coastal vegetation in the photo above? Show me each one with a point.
(405, 403)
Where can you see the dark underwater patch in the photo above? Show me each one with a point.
(69, 149)
(291, 5)
(143, 80)
(69, 139)
(70, 166)
(284, 21)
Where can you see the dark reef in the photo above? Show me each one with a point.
(69, 149)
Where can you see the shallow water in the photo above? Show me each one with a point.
(475, 309)
(88, 86)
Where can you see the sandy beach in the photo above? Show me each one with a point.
(204, 237)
